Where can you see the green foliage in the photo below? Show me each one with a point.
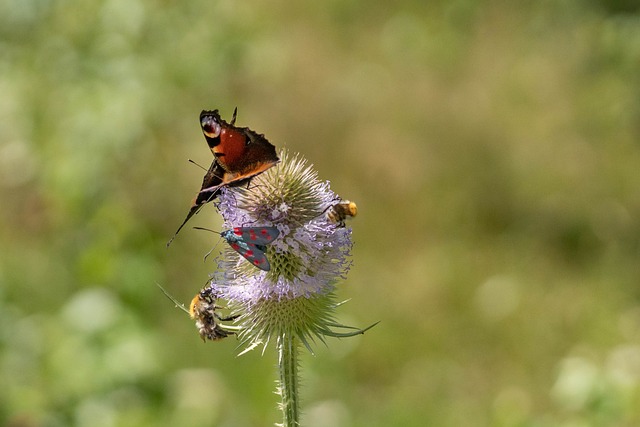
(492, 150)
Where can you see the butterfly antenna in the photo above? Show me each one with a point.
(200, 166)
(235, 114)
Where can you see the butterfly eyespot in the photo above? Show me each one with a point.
(210, 127)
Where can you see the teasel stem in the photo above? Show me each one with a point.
(293, 301)
(288, 352)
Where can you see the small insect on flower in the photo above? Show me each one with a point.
(342, 210)
(203, 311)
(250, 243)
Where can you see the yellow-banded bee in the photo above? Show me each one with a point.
(203, 310)
(342, 210)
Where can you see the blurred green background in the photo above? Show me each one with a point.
(492, 147)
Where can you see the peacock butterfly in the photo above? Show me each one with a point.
(238, 155)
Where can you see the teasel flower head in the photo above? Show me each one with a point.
(311, 255)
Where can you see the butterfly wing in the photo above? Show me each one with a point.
(212, 181)
(241, 152)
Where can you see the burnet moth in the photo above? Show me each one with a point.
(250, 242)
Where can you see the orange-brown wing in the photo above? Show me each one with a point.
(241, 152)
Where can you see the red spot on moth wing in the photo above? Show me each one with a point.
(270, 234)
(237, 231)
(235, 246)
(249, 253)
(261, 261)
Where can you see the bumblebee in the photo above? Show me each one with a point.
(342, 210)
(203, 310)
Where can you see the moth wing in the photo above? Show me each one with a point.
(259, 259)
(259, 235)
(252, 253)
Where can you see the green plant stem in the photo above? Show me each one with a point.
(288, 387)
